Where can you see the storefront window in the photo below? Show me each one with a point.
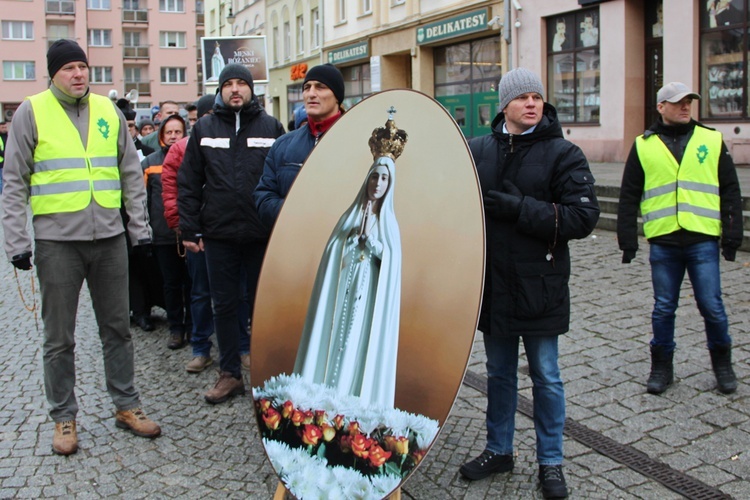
(356, 84)
(294, 99)
(724, 44)
(573, 66)
(466, 77)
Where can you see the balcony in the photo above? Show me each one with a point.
(135, 16)
(140, 52)
(199, 18)
(66, 7)
(143, 88)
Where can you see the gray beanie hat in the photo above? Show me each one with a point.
(516, 82)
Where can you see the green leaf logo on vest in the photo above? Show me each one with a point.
(702, 153)
(103, 127)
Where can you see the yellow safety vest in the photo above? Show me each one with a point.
(681, 196)
(66, 175)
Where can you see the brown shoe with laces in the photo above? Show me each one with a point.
(65, 440)
(226, 387)
(137, 422)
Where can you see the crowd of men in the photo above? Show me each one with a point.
(178, 214)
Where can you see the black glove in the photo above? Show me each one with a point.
(505, 205)
(22, 261)
(729, 254)
(627, 256)
(144, 250)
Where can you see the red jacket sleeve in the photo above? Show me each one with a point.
(169, 182)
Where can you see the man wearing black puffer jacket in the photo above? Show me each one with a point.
(538, 194)
(221, 168)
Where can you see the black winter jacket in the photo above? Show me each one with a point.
(631, 190)
(528, 261)
(152, 165)
(220, 171)
(281, 168)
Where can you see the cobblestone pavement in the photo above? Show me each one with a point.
(214, 451)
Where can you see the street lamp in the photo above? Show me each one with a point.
(231, 17)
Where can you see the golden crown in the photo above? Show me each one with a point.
(388, 140)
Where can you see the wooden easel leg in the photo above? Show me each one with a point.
(396, 495)
(280, 492)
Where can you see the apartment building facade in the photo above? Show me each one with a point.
(147, 45)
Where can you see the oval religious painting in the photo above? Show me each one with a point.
(368, 300)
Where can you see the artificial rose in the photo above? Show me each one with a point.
(378, 456)
(338, 422)
(360, 445)
(353, 429)
(398, 445)
(264, 405)
(418, 455)
(309, 416)
(311, 435)
(320, 417)
(328, 432)
(298, 417)
(272, 419)
(345, 443)
(287, 410)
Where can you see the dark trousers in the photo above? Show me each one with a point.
(233, 270)
(176, 288)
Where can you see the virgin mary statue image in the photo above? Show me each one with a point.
(350, 338)
(217, 62)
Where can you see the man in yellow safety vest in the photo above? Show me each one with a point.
(681, 176)
(70, 156)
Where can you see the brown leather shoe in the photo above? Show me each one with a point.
(198, 364)
(176, 341)
(137, 422)
(65, 441)
(226, 387)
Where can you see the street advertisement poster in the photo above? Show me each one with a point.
(220, 51)
(368, 300)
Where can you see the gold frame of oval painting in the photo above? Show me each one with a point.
(368, 300)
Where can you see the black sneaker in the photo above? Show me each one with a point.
(486, 464)
(553, 481)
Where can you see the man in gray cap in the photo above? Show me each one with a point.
(681, 176)
(538, 194)
(221, 168)
(75, 177)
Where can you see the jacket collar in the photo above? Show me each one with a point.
(66, 99)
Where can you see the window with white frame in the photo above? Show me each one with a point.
(132, 74)
(287, 41)
(18, 30)
(130, 5)
(300, 34)
(276, 44)
(100, 74)
(98, 4)
(366, 6)
(173, 75)
(19, 70)
(57, 32)
(100, 38)
(172, 39)
(171, 5)
(341, 4)
(315, 31)
(131, 38)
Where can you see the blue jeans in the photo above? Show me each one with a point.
(200, 304)
(502, 395)
(233, 271)
(668, 265)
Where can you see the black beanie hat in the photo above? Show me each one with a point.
(236, 70)
(63, 52)
(204, 104)
(330, 76)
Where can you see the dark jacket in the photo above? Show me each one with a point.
(528, 261)
(633, 180)
(220, 171)
(152, 174)
(281, 167)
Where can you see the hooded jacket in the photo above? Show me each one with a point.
(90, 224)
(528, 261)
(633, 181)
(222, 166)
